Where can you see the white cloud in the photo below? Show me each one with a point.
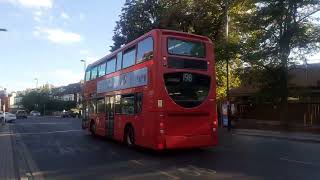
(57, 35)
(32, 3)
(37, 16)
(64, 15)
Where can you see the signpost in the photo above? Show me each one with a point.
(225, 107)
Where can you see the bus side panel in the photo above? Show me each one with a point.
(148, 131)
(100, 122)
(118, 128)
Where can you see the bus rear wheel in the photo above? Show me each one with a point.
(129, 136)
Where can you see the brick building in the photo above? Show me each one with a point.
(303, 104)
(4, 100)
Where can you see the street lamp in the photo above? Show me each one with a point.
(4, 30)
(37, 80)
(84, 64)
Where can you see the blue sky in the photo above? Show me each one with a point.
(47, 38)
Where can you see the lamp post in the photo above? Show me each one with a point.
(4, 30)
(37, 80)
(227, 58)
(84, 64)
(82, 114)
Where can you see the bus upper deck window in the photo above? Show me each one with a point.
(186, 48)
(145, 50)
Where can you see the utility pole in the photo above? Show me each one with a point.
(227, 58)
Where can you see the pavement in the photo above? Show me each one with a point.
(8, 168)
(293, 136)
(56, 148)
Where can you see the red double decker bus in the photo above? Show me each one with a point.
(158, 91)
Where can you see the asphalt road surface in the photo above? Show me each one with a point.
(56, 148)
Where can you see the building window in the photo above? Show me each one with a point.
(102, 69)
(100, 106)
(129, 58)
(111, 65)
(145, 50)
(119, 61)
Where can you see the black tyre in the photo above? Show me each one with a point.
(129, 136)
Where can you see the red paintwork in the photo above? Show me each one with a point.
(183, 127)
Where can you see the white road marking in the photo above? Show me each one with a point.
(169, 175)
(296, 161)
(37, 133)
(137, 162)
(5, 134)
(62, 123)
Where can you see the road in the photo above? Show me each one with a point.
(56, 148)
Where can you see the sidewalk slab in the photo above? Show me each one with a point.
(303, 137)
(7, 166)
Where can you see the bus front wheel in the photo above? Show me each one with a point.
(129, 136)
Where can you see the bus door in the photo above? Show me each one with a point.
(110, 116)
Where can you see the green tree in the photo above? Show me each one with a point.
(35, 100)
(42, 101)
(203, 17)
(277, 34)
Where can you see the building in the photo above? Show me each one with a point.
(15, 100)
(303, 102)
(4, 100)
(71, 92)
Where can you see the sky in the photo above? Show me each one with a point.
(46, 39)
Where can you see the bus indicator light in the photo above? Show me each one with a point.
(161, 125)
(215, 122)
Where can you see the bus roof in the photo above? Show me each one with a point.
(163, 31)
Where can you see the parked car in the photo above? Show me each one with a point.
(8, 117)
(68, 114)
(21, 114)
(1, 117)
(35, 113)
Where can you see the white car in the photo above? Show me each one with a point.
(35, 113)
(9, 117)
